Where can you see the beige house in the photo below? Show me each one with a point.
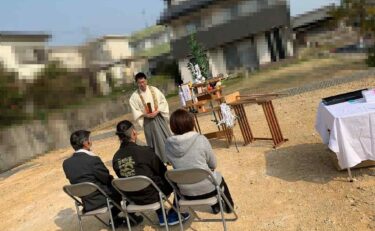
(23, 53)
(70, 57)
(112, 59)
(107, 49)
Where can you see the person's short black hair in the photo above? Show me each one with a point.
(122, 130)
(78, 137)
(181, 121)
(140, 75)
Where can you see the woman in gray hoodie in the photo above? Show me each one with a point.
(189, 149)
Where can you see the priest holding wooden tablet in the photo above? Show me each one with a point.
(150, 110)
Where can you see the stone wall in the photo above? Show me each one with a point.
(24, 142)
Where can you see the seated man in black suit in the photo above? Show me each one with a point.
(85, 166)
(134, 160)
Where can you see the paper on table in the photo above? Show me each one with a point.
(369, 95)
(186, 92)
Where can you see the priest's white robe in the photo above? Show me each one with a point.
(156, 129)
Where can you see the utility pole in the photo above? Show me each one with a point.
(86, 33)
(144, 17)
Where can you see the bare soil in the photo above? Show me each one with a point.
(294, 187)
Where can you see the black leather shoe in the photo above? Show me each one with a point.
(118, 221)
(121, 221)
(215, 208)
(227, 209)
(138, 219)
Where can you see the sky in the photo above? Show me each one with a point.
(72, 22)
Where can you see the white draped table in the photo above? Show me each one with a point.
(349, 130)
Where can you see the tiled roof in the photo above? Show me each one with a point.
(185, 7)
(25, 34)
(311, 16)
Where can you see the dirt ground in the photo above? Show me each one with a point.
(295, 187)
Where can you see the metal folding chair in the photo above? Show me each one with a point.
(77, 191)
(192, 176)
(137, 183)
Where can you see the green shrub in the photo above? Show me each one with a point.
(12, 99)
(56, 88)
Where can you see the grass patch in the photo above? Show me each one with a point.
(159, 80)
(157, 50)
(146, 33)
(171, 95)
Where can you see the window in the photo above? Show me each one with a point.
(241, 55)
(29, 55)
(272, 2)
(207, 20)
(40, 55)
(226, 14)
(193, 26)
(247, 54)
(247, 7)
(234, 12)
(217, 16)
(231, 57)
(263, 3)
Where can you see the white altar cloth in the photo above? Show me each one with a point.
(349, 130)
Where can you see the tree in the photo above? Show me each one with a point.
(357, 13)
(11, 99)
(56, 88)
(361, 15)
(199, 56)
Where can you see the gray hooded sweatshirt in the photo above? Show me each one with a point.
(192, 150)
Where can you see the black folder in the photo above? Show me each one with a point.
(343, 97)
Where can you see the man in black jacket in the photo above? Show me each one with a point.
(85, 166)
(134, 160)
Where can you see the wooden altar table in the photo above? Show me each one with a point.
(265, 100)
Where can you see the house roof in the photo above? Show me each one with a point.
(24, 35)
(106, 37)
(183, 8)
(63, 49)
(114, 37)
(311, 17)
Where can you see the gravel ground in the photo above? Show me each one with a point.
(294, 187)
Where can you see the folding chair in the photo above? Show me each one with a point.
(192, 176)
(137, 183)
(77, 191)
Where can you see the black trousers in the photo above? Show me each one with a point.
(214, 193)
(116, 197)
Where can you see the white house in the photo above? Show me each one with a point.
(70, 57)
(107, 49)
(23, 53)
(113, 61)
